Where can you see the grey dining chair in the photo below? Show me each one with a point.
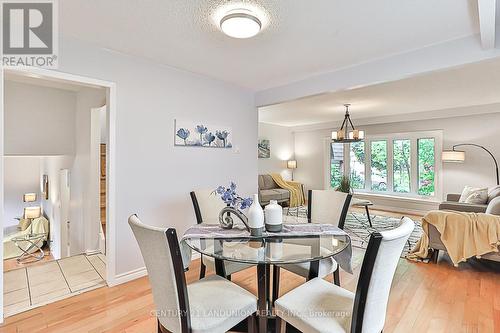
(210, 305)
(324, 206)
(206, 208)
(340, 310)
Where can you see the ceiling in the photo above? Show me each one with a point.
(470, 85)
(299, 38)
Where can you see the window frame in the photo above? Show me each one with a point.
(437, 135)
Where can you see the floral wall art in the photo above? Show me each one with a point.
(199, 134)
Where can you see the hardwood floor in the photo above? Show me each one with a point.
(424, 298)
(10, 264)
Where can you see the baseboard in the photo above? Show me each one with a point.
(92, 252)
(138, 273)
(129, 276)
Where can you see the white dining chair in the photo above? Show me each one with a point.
(212, 304)
(319, 306)
(326, 207)
(206, 208)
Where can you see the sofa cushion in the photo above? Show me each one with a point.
(266, 182)
(284, 194)
(462, 207)
(493, 192)
(494, 207)
(266, 195)
(473, 195)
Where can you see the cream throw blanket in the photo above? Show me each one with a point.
(464, 235)
(295, 189)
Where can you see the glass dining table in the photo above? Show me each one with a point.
(271, 249)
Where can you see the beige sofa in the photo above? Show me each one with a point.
(269, 190)
(493, 207)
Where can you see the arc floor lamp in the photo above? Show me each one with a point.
(454, 155)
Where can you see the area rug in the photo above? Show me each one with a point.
(358, 228)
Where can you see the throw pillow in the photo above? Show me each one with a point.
(465, 194)
(494, 207)
(24, 224)
(493, 193)
(472, 195)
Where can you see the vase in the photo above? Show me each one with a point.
(273, 214)
(256, 217)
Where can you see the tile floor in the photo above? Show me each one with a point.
(33, 286)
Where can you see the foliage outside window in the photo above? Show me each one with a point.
(357, 165)
(426, 169)
(402, 166)
(336, 164)
(379, 165)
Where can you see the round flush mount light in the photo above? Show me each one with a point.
(240, 24)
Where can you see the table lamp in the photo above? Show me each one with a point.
(291, 164)
(32, 213)
(29, 197)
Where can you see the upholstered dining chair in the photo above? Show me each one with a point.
(212, 304)
(207, 207)
(323, 206)
(338, 309)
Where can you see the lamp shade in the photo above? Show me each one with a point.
(292, 164)
(29, 197)
(32, 212)
(453, 156)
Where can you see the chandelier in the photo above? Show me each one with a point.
(344, 135)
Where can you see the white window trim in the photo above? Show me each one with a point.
(390, 137)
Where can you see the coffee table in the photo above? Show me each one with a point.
(32, 241)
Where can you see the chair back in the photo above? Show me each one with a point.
(161, 253)
(377, 272)
(328, 206)
(206, 205)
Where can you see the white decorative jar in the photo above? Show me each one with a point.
(255, 217)
(273, 216)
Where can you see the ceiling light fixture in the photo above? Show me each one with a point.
(240, 24)
(343, 135)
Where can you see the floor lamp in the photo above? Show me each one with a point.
(454, 155)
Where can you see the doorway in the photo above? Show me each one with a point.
(71, 248)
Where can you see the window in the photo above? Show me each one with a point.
(379, 165)
(357, 165)
(426, 168)
(401, 166)
(336, 164)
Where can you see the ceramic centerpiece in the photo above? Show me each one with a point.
(273, 216)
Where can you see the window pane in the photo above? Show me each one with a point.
(401, 165)
(336, 164)
(379, 165)
(426, 166)
(357, 166)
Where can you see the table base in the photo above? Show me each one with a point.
(26, 253)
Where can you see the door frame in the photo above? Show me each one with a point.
(110, 154)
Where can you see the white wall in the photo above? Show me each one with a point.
(38, 120)
(282, 147)
(22, 175)
(478, 169)
(153, 178)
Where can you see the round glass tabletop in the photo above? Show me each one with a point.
(271, 249)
